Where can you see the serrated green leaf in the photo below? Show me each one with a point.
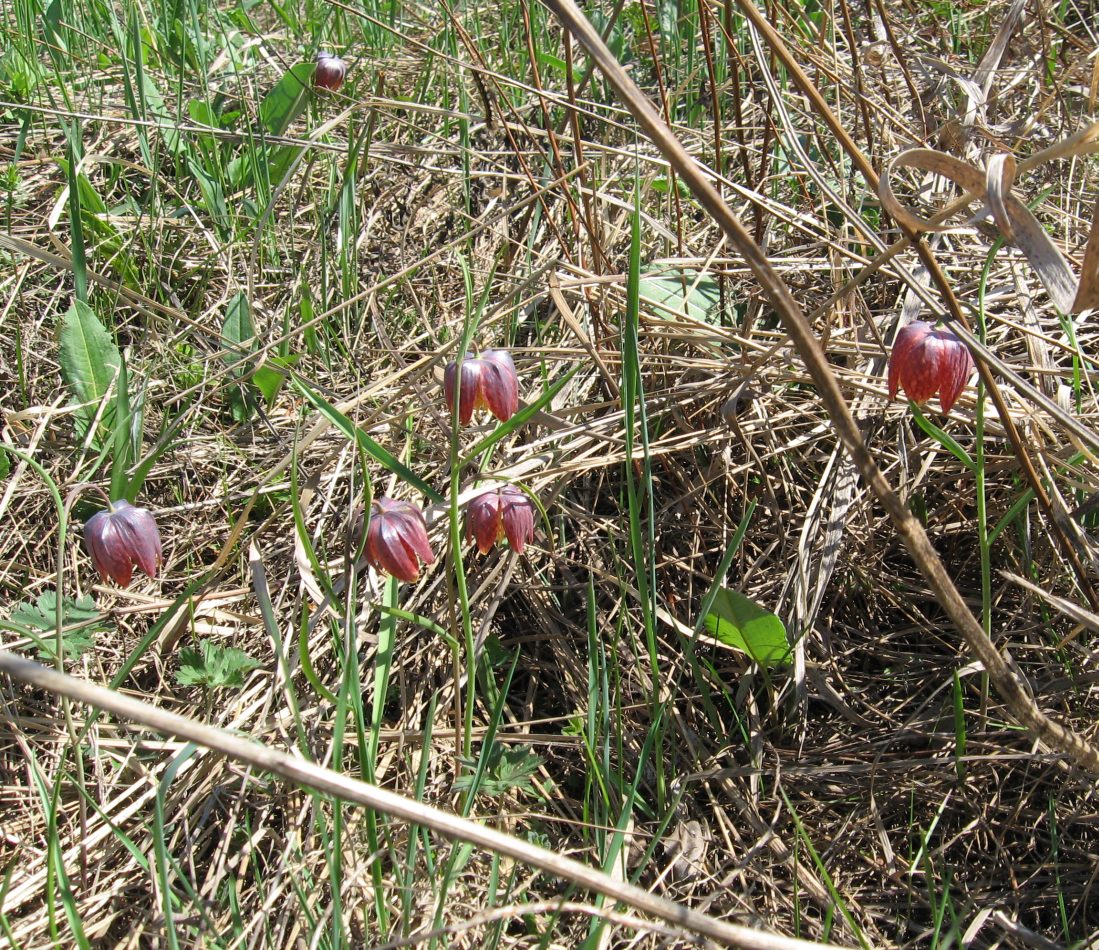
(89, 361)
(505, 770)
(741, 623)
(43, 613)
(38, 621)
(213, 665)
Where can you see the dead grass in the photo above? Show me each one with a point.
(861, 745)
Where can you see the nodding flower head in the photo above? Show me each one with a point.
(925, 361)
(330, 71)
(396, 537)
(120, 537)
(502, 512)
(489, 382)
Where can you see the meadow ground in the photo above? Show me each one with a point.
(229, 295)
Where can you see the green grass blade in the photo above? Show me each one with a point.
(385, 458)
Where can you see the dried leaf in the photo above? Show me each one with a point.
(993, 190)
(1087, 295)
(686, 846)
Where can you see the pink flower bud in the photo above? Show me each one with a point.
(502, 512)
(397, 535)
(489, 381)
(121, 537)
(330, 71)
(926, 361)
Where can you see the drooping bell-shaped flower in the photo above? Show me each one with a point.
(925, 361)
(502, 512)
(489, 381)
(120, 537)
(396, 537)
(330, 71)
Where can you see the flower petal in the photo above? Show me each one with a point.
(139, 535)
(470, 388)
(393, 556)
(499, 383)
(329, 72)
(107, 554)
(120, 537)
(397, 535)
(920, 371)
(413, 532)
(908, 338)
(955, 366)
(518, 518)
(483, 520)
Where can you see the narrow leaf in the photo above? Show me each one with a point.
(368, 445)
(520, 418)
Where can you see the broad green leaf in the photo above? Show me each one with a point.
(202, 113)
(268, 378)
(664, 185)
(741, 623)
(156, 108)
(213, 195)
(89, 197)
(19, 74)
(279, 160)
(283, 104)
(89, 361)
(239, 170)
(548, 59)
(687, 293)
(95, 222)
(238, 333)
